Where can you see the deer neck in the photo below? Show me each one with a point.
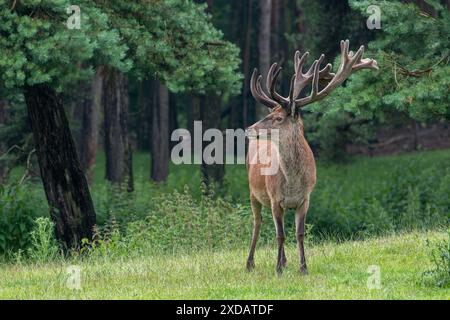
(292, 151)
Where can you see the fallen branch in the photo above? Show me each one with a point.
(28, 167)
(9, 150)
(389, 141)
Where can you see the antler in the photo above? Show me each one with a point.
(258, 93)
(349, 63)
(299, 80)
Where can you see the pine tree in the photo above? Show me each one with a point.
(413, 52)
(41, 57)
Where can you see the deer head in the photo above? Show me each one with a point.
(284, 111)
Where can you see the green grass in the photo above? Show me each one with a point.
(337, 271)
(181, 245)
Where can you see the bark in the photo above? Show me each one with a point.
(210, 5)
(160, 134)
(117, 146)
(246, 64)
(426, 8)
(173, 116)
(235, 104)
(276, 27)
(300, 26)
(90, 125)
(210, 116)
(65, 184)
(3, 164)
(265, 7)
(144, 120)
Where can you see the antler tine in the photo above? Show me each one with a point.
(292, 94)
(258, 93)
(270, 75)
(271, 83)
(325, 73)
(316, 76)
(313, 66)
(350, 62)
(303, 79)
(365, 63)
(260, 90)
(344, 50)
(299, 62)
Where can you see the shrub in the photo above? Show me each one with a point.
(440, 256)
(179, 221)
(19, 206)
(380, 195)
(43, 245)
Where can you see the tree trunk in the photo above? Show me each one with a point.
(265, 7)
(235, 104)
(210, 116)
(210, 5)
(173, 116)
(144, 118)
(90, 125)
(246, 63)
(276, 28)
(65, 184)
(3, 120)
(160, 134)
(119, 169)
(300, 26)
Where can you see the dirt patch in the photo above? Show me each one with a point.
(407, 138)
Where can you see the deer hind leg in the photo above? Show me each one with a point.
(300, 217)
(257, 220)
(278, 218)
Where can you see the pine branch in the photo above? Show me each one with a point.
(417, 73)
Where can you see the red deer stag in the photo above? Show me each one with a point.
(292, 184)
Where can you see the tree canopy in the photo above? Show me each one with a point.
(412, 49)
(173, 39)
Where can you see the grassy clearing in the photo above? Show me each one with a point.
(337, 271)
(355, 200)
(358, 200)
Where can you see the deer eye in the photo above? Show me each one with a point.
(278, 119)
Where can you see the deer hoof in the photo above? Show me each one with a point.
(280, 269)
(303, 271)
(250, 265)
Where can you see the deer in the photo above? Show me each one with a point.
(291, 185)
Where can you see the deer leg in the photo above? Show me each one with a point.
(300, 217)
(278, 218)
(257, 220)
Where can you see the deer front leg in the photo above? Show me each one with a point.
(300, 217)
(257, 220)
(278, 218)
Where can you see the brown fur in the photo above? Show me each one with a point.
(289, 188)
